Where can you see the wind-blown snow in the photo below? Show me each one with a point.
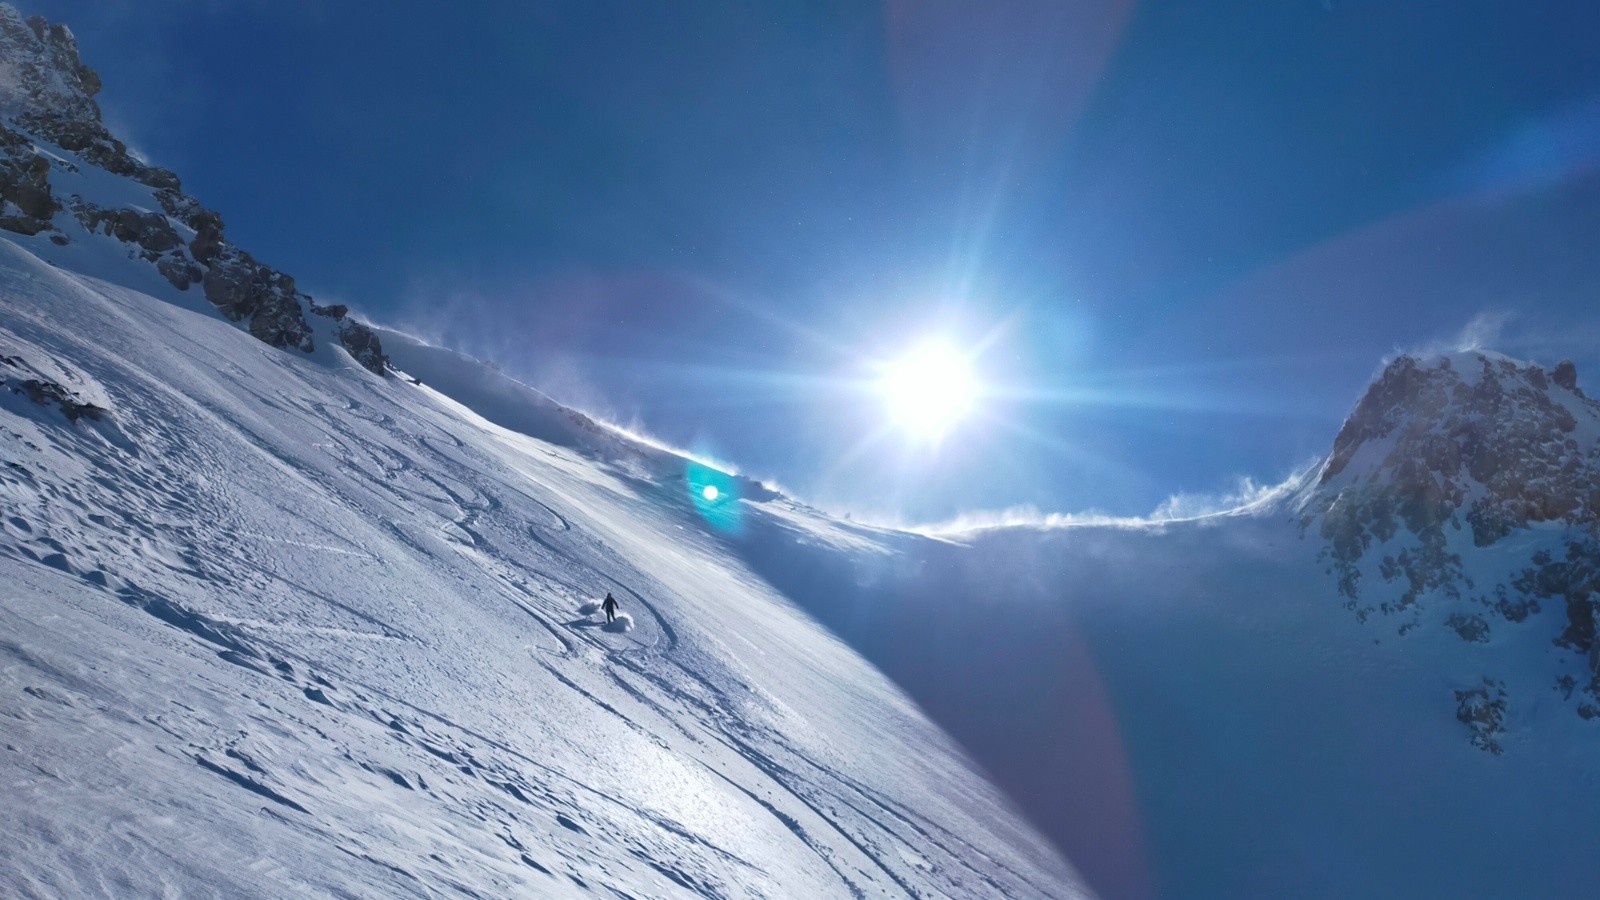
(275, 623)
(277, 626)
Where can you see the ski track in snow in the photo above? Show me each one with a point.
(275, 628)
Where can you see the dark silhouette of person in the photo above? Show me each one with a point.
(610, 606)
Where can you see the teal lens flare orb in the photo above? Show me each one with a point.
(715, 495)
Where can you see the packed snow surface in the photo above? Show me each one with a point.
(276, 626)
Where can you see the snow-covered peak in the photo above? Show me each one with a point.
(40, 71)
(1464, 491)
(1476, 434)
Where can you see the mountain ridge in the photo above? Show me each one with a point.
(1431, 586)
(52, 130)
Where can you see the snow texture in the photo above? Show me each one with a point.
(274, 624)
(277, 626)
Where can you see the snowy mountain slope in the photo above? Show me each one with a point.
(1380, 683)
(277, 624)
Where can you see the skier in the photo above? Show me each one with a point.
(610, 606)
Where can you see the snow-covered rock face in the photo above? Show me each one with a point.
(1500, 442)
(1450, 455)
(65, 178)
(41, 72)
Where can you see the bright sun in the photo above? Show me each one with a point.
(928, 390)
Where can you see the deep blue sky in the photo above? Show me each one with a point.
(1191, 229)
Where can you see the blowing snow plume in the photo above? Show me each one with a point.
(276, 622)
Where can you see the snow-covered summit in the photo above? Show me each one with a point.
(41, 72)
(1503, 442)
(1472, 439)
(1449, 454)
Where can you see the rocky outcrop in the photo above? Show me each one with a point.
(1444, 456)
(1476, 440)
(1483, 710)
(47, 102)
(14, 377)
(360, 341)
(1497, 442)
(156, 240)
(1573, 579)
(44, 75)
(50, 93)
(26, 204)
(244, 290)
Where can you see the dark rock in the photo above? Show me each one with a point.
(185, 208)
(148, 230)
(243, 289)
(25, 185)
(233, 290)
(280, 324)
(1574, 579)
(1566, 375)
(1513, 610)
(46, 393)
(179, 271)
(363, 345)
(1472, 629)
(207, 243)
(1564, 685)
(157, 177)
(1483, 710)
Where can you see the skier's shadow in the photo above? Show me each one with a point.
(620, 626)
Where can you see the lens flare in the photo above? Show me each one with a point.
(715, 495)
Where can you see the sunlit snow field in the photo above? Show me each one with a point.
(277, 626)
